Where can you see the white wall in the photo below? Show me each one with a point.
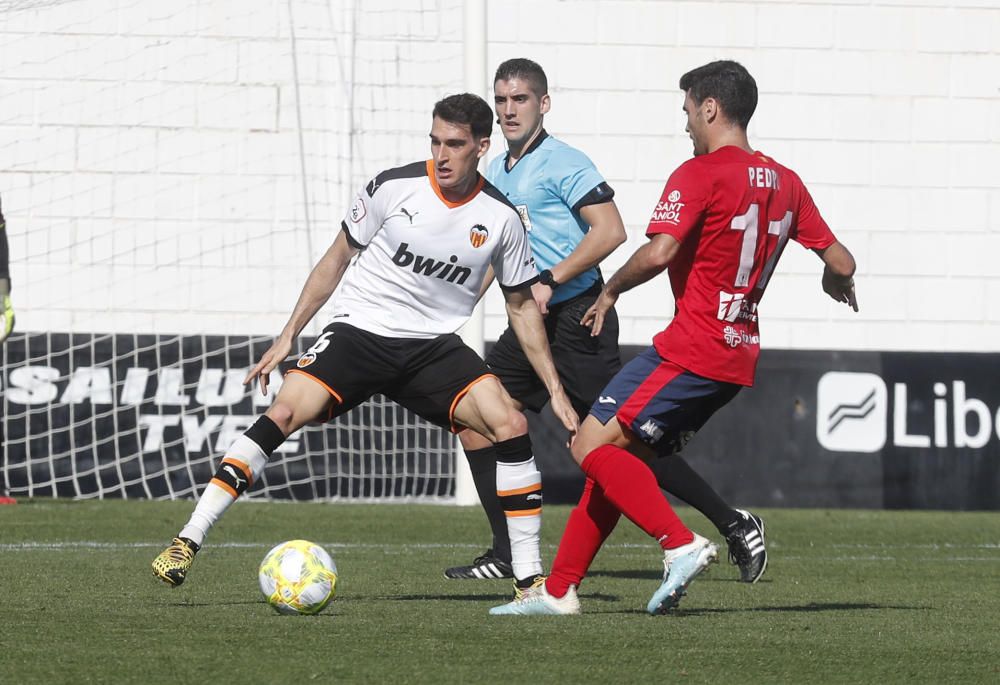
(890, 111)
(155, 157)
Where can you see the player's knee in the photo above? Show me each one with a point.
(580, 450)
(587, 440)
(518, 423)
(514, 425)
(283, 416)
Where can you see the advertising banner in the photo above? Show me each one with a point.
(898, 430)
(149, 416)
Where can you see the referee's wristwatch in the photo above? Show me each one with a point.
(545, 277)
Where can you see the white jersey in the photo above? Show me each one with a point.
(423, 258)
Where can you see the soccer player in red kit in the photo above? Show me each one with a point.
(720, 227)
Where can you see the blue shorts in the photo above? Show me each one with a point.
(661, 403)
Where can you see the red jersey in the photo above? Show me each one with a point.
(732, 212)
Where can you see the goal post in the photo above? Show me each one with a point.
(171, 172)
(476, 81)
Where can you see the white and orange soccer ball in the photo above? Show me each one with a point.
(298, 577)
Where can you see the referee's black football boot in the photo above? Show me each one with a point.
(484, 567)
(746, 546)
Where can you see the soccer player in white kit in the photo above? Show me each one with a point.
(407, 267)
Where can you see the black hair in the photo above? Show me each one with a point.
(523, 68)
(469, 109)
(729, 83)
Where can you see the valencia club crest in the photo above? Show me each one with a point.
(478, 235)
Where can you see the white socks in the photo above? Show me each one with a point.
(242, 464)
(519, 486)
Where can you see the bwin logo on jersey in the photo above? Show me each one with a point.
(478, 235)
(851, 410)
(428, 266)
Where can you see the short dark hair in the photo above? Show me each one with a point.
(469, 109)
(521, 67)
(727, 82)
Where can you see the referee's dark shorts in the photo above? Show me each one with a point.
(585, 363)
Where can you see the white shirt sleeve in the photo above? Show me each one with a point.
(513, 261)
(365, 215)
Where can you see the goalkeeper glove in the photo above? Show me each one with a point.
(8, 319)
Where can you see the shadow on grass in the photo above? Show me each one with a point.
(812, 607)
(214, 604)
(653, 574)
(499, 599)
(681, 612)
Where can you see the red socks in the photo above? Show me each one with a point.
(631, 487)
(589, 525)
(617, 481)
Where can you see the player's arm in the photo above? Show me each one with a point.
(322, 281)
(645, 263)
(607, 232)
(528, 325)
(838, 273)
(487, 282)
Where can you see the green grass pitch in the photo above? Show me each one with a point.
(849, 597)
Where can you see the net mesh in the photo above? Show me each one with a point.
(171, 172)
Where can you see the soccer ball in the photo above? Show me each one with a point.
(298, 577)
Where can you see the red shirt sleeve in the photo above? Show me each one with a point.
(811, 231)
(682, 205)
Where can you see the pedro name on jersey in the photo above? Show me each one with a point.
(423, 258)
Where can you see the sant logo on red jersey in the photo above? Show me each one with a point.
(668, 209)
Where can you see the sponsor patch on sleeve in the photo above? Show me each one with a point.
(668, 209)
(358, 210)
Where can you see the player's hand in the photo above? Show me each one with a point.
(276, 354)
(8, 319)
(840, 289)
(563, 409)
(542, 294)
(594, 317)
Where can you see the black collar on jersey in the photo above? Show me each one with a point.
(542, 135)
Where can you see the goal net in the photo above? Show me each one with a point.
(170, 173)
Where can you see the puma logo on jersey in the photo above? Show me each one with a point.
(408, 215)
(428, 266)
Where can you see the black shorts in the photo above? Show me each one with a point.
(585, 363)
(427, 376)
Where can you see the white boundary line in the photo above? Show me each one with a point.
(92, 544)
(95, 544)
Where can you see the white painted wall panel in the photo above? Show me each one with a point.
(184, 162)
